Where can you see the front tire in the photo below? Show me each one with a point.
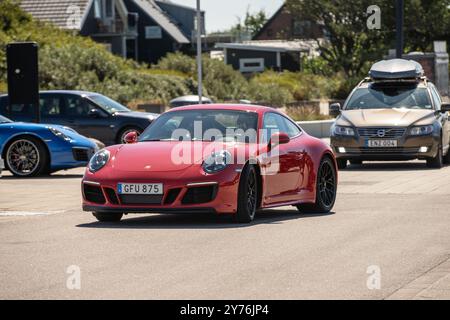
(438, 161)
(108, 217)
(248, 196)
(27, 157)
(326, 187)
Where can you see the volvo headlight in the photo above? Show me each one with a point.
(59, 134)
(344, 131)
(422, 130)
(217, 161)
(99, 160)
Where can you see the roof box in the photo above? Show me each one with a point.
(396, 69)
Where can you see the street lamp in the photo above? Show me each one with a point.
(199, 53)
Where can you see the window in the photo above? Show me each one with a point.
(251, 65)
(204, 125)
(301, 28)
(97, 9)
(389, 97)
(50, 105)
(77, 107)
(436, 98)
(291, 128)
(272, 124)
(109, 8)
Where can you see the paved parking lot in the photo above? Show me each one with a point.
(387, 238)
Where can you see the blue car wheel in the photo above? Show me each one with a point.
(26, 157)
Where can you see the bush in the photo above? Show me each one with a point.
(71, 62)
(221, 81)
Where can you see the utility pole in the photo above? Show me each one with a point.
(400, 6)
(199, 53)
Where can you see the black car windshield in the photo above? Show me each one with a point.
(4, 119)
(389, 97)
(108, 104)
(203, 125)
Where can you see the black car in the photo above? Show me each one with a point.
(91, 114)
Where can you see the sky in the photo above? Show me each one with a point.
(222, 14)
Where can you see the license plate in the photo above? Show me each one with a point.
(382, 143)
(140, 188)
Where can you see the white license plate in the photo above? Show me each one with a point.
(382, 143)
(140, 188)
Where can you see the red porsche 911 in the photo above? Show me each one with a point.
(223, 159)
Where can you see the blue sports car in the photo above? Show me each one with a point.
(30, 149)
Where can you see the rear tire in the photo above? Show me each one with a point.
(438, 161)
(248, 196)
(341, 163)
(108, 217)
(326, 187)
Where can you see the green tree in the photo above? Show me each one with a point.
(426, 21)
(352, 46)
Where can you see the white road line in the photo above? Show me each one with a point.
(27, 213)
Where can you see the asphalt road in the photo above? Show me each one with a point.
(391, 218)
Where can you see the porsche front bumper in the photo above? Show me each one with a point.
(209, 193)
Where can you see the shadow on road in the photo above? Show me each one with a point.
(389, 166)
(200, 221)
(46, 177)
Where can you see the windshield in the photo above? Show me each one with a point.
(203, 125)
(108, 104)
(389, 97)
(4, 119)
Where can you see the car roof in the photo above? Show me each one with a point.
(76, 92)
(236, 107)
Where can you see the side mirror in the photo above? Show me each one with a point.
(445, 107)
(278, 138)
(335, 109)
(95, 113)
(131, 137)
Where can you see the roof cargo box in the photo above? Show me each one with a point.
(396, 69)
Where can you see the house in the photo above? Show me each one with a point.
(143, 30)
(257, 56)
(163, 27)
(279, 45)
(284, 25)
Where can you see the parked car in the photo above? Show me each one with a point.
(395, 114)
(91, 114)
(276, 164)
(188, 101)
(30, 149)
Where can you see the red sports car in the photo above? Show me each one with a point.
(224, 159)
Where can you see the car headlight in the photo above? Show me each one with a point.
(99, 160)
(422, 130)
(217, 161)
(344, 131)
(59, 134)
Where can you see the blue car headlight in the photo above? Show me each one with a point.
(217, 161)
(421, 130)
(99, 160)
(344, 131)
(59, 134)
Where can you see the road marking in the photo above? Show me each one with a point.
(27, 213)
